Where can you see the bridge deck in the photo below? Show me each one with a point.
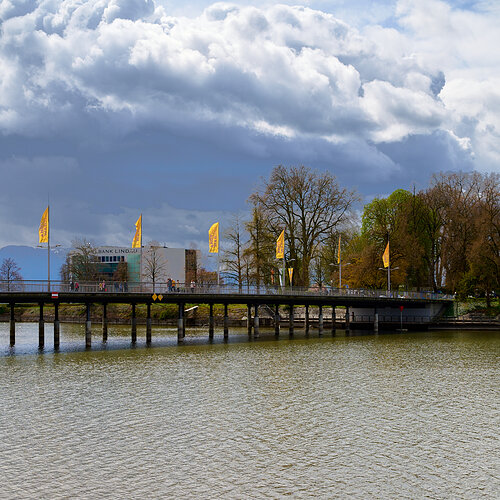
(326, 299)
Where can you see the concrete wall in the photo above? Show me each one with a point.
(422, 314)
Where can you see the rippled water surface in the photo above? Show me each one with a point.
(389, 416)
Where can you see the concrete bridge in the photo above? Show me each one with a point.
(368, 308)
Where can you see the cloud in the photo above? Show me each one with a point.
(122, 106)
(287, 67)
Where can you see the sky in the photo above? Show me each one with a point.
(113, 108)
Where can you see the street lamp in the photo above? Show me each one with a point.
(388, 269)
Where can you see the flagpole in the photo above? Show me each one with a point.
(48, 245)
(389, 269)
(218, 267)
(140, 263)
(340, 273)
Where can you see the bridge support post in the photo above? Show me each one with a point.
(211, 322)
(320, 319)
(134, 325)
(347, 320)
(256, 331)
(148, 323)
(104, 323)
(57, 336)
(277, 320)
(291, 319)
(88, 328)
(375, 323)
(333, 320)
(249, 319)
(12, 326)
(41, 329)
(226, 323)
(306, 323)
(180, 324)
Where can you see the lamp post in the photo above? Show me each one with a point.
(388, 269)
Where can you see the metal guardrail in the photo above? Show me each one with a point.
(187, 288)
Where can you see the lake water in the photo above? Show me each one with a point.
(413, 415)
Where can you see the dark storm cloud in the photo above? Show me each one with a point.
(116, 107)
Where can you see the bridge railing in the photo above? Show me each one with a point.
(205, 288)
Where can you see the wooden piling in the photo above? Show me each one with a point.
(180, 323)
(249, 319)
(104, 322)
(256, 331)
(291, 319)
(134, 325)
(306, 323)
(56, 326)
(41, 329)
(320, 319)
(334, 318)
(211, 322)
(88, 328)
(148, 323)
(12, 326)
(226, 323)
(277, 320)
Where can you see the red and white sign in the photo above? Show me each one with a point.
(55, 295)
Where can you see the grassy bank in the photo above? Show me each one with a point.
(119, 312)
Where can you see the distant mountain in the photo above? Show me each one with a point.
(33, 261)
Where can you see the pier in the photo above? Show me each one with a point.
(372, 309)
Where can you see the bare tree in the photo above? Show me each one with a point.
(154, 263)
(261, 246)
(9, 272)
(232, 260)
(309, 205)
(82, 263)
(121, 273)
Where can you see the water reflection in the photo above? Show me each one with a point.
(387, 416)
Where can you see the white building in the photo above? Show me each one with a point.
(178, 264)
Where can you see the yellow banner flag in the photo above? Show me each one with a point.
(280, 245)
(213, 238)
(385, 257)
(43, 230)
(338, 253)
(290, 274)
(137, 241)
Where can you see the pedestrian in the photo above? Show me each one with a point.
(77, 286)
(71, 285)
(174, 284)
(193, 285)
(169, 285)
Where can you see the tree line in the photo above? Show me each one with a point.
(442, 238)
